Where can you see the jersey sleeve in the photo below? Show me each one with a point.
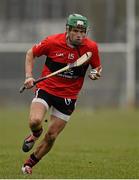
(41, 48)
(95, 59)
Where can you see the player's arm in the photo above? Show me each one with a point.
(95, 72)
(29, 63)
(37, 50)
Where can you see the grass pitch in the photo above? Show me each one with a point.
(94, 144)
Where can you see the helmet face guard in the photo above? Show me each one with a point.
(78, 21)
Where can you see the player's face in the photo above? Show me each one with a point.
(76, 35)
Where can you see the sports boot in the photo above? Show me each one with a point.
(26, 170)
(29, 143)
(30, 140)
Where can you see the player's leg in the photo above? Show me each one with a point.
(61, 112)
(39, 106)
(58, 121)
(37, 113)
(55, 127)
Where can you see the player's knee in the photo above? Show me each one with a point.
(34, 122)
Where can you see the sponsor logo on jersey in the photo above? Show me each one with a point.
(58, 54)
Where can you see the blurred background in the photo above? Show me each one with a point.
(102, 139)
(114, 24)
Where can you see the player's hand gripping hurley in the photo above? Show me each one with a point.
(85, 57)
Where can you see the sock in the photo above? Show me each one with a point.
(32, 161)
(37, 133)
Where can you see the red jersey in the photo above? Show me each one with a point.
(58, 54)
